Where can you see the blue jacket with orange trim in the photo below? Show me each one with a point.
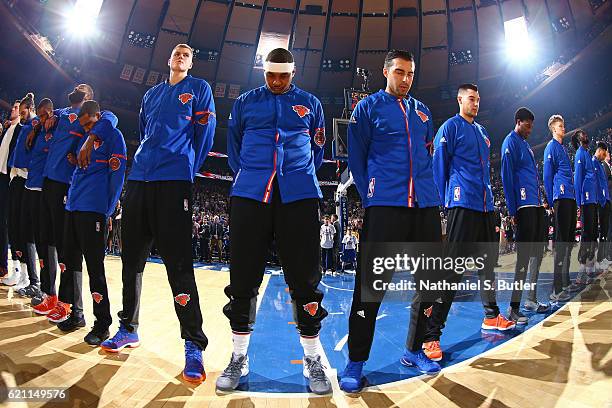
(461, 165)
(65, 136)
(278, 136)
(585, 178)
(603, 195)
(20, 157)
(558, 177)
(389, 150)
(98, 187)
(519, 174)
(40, 151)
(177, 128)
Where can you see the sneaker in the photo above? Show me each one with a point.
(14, 279)
(574, 287)
(119, 341)
(497, 323)
(3, 272)
(432, 350)
(24, 281)
(194, 366)
(30, 291)
(419, 360)
(351, 380)
(583, 279)
(48, 304)
(317, 380)
(96, 336)
(230, 377)
(517, 317)
(60, 313)
(563, 296)
(72, 323)
(38, 299)
(536, 307)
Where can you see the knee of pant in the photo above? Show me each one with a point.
(307, 311)
(305, 295)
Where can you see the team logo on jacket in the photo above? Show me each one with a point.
(114, 163)
(422, 115)
(97, 143)
(523, 194)
(301, 110)
(72, 117)
(427, 312)
(204, 118)
(185, 97)
(371, 187)
(34, 122)
(97, 297)
(319, 137)
(311, 308)
(562, 188)
(457, 194)
(182, 299)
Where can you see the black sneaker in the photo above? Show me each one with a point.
(96, 336)
(517, 317)
(72, 323)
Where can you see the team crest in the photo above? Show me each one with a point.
(301, 110)
(311, 308)
(97, 297)
(205, 116)
(423, 116)
(185, 97)
(72, 117)
(35, 122)
(182, 299)
(114, 163)
(427, 312)
(319, 137)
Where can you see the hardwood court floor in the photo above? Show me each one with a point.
(566, 361)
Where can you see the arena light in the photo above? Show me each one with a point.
(81, 18)
(268, 42)
(517, 38)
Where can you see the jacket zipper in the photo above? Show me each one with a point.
(410, 181)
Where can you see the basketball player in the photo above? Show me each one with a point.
(177, 127)
(276, 136)
(93, 194)
(521, 182)
(559, 186)
(603, 208)
(390, 138)
(462, 173)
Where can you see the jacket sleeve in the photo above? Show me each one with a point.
(116, 168)
(578, 176)
(550, 168)
(359, 137)
(443, 151)
(234, 136)
(507, 176)
(104, 127)
(142, 119)
(317, 130)
(205, 119)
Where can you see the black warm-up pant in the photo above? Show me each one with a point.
(388, 224)
(530, 244)
(588, 237)
(159, 212)
(4, 207)
(565, 236)
(604, 219)
(85, 235)
(294, 227)
(30, 228)
(16, 238)
(470, 234)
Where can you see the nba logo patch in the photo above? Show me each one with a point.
(562, 188)
(64, 200)
(457, 194)
(586, 195)
(98, 226)
(523, 194)
(371, 187)
(186, 205)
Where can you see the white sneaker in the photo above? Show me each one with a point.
(15, 277)
(24, 281)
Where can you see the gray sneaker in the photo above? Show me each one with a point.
(517, 317)
(30, 291)
(317, 380)
(582, 279)
(563, 296)
(230, 378)
(536, 307)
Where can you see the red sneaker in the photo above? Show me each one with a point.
(498, 323)
(432, 350)
(60, 313)
(46, 305)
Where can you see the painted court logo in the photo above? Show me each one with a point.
(182, 299)
(311, 308)
(97, 297)
(301, 110)
(185, 97)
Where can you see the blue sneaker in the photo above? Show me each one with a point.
(194, 366)
(351, 379)
(121, 340)
(419, 360)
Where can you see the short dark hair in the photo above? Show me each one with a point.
(402, 54)
(523, 114)
(280, 56)
(89, 107)
(465, 87)
(576, 143)
(602, 145)
(44, 102)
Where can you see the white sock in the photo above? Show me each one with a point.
(310, 345)
(241, 343)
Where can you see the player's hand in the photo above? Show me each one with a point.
(110, 224)
(30, 139)
(84, 157)
(49, 123)
(71, 159)
(6, 124)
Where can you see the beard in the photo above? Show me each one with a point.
(76, 96)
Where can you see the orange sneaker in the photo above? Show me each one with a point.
(498, 323)
(46, 305)
(60, 313)
(432, 350)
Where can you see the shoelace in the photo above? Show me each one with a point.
(353, 369)
(235, 367)
(192, 352)
(121, 334)
(315, 368)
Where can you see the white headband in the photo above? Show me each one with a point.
(279, 67)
